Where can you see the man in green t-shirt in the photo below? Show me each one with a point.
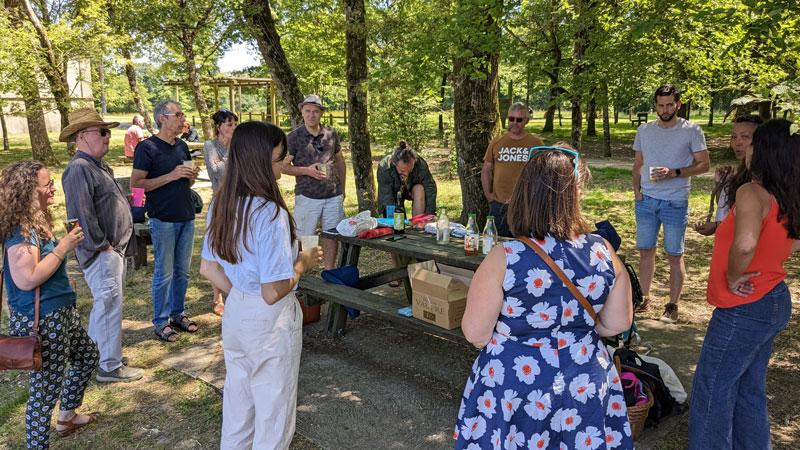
(406, 172)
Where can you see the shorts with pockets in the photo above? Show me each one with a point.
(651, 213)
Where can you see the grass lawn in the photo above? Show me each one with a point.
(171, 410)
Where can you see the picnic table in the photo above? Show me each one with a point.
(412, 246)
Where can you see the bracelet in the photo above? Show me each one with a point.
(60, 258)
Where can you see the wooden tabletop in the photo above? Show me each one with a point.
(417, 245)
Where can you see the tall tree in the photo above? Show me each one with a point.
(259, 15)
(52, 66)
(477, 36)
(124, 43)
(356, 35)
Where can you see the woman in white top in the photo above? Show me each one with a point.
(250, 253)
(215, 152)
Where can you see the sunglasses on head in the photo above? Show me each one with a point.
(516, 119)
(572, 154)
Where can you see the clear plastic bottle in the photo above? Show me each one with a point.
(442, 227)
(471, 237)
(489, 237)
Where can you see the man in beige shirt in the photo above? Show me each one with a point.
(505, 157)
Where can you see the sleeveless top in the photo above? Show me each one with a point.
(773, 249)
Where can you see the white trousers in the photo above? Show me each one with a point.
(262, 346)
(104, 277)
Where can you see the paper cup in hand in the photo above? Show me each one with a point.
(137, 197)
(653, 170)
(309, 242)
(189, 163)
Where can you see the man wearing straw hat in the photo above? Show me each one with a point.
(90, 188)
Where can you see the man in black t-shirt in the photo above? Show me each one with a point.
(163, 167)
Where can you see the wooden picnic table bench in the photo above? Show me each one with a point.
(641, 117)
(413, 246)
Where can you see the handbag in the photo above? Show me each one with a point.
(21, 352)
(197, 201)
(561, 275)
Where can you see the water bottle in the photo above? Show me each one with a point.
(442, 227)
(489, 235)
(471, 237)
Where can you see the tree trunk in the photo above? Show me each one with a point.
(53, 69)
(616, 114)
(37, 128)
(765, 110)
(269, 43)
(6, 147)
(356, 68)
(578, 52)
(606, 123)
(554, 75)
(711, 110)
(187, 43)
(130, 71)
(441, 106)
(475, 109)
(133, 84)
(591, 116)
(101, 80)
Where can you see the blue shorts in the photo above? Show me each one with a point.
(651, 213)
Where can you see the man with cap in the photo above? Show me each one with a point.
(95, 198)
(319, 170)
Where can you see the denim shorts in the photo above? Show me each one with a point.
(651, 213)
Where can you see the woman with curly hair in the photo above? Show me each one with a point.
(35, 265)
(753, 304)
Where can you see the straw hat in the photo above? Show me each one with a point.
(81, 119)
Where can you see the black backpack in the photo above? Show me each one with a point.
(636, 288)
(664, 404)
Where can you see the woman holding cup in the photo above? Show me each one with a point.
(38, 288)
(250, 252)
(215, 152)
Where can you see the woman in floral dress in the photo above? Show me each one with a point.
(543, 378)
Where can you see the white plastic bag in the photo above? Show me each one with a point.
(353, 226)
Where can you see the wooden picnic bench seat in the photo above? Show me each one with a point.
(316, 291)
(641, 117)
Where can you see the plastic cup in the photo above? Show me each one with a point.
(309, 242)
(189, 163)
(652, 172)
(390, 211)
(137, 197)
(70, 224)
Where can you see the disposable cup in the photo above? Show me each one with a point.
(390, 211)
(137, 197)
(309, 242)
(189, 163)
(652, 172)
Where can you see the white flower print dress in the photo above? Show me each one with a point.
(545, 380)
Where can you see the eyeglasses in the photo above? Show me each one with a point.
(103, 131)
(177, 114)
(572, 154)
(516, 119)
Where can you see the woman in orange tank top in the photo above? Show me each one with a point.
(746, 284)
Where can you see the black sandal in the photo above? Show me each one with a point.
(183, 323)
(166, 333)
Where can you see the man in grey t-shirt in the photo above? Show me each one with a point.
(667, 152)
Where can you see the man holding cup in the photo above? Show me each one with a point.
(668, 152)
(96, 201)
(163, 167)
(319, 170)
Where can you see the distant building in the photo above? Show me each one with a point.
(79, 80)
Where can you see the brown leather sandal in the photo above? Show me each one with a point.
(72, 426)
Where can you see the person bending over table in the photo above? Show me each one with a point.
(406, 172)
(543, 376)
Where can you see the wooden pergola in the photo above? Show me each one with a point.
(234, 85)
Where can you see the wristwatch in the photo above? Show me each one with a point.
(677, 172)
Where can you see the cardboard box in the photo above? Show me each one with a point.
(439, 293)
